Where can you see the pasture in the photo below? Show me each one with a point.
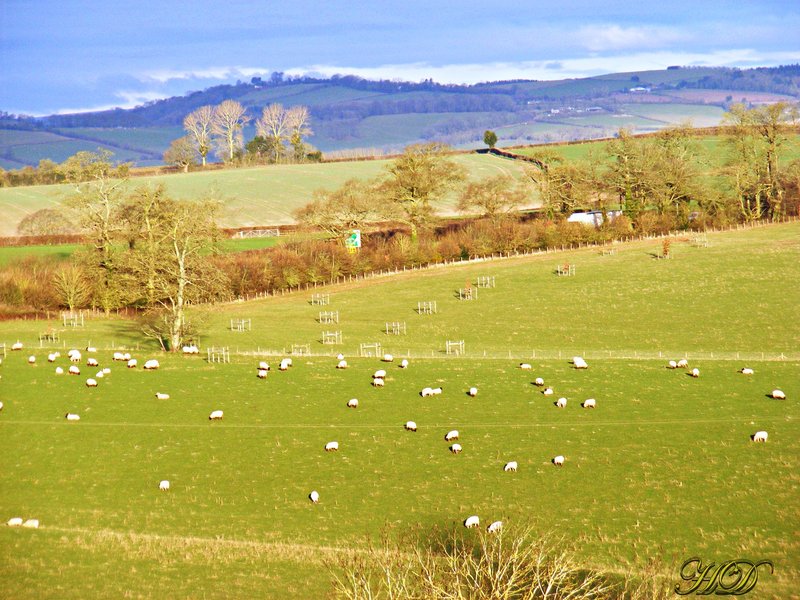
(662, 468)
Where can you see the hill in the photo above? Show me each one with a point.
(354, 113)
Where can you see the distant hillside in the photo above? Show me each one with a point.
(353, 113)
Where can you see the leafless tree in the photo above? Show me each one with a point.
(198, 124)
(227, 124)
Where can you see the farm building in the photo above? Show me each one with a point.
(592, 217)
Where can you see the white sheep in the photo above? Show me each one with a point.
(538, 381)
(672, 365)
(263, 366)
(548, 391)
(106, 371)
(589, 403)
(495, 527)
(342, 364)
(92, 362)
(472, 521)
(340, 356)
(561, 402)
(404, 364)
(510, 467)
(746, 371)
(352, 403)
(388, 358)
(73, 370)
(99, 375)
(151, 365)
(436, 391)
(31, 524)
(164, 486)
(411, 426)
(14, 522)
(778, 395)
(161, 396)
(284, 366)
(132, 363)
(215, 415)
(426, 392)
(59, 371)
(579, 363)
(126, 356)
(72, 417)
(1, 406)
(455, 448)
(262, 373)
(378, 382)
(451, 435)
(51, 357)
(525, 366)
(16, 346)
(314, 496)
(558, 461)
(760, 436)
(682, 363)
(473, 391)
(695, 373)
(91, 383)
(379, 374)
(31, 360)
(190, 349)
(118, 356)
(331, 446)
(74, 356)
(91, 349)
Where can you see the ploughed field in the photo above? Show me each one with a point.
(663, 467)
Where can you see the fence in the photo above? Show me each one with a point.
(565, 270)
(328, 317)
(395, 328)
(241, 325)
(320, 299)
(331, 337)
(218, 355)
(370, 349)
(301, 349)
(72, 319)
(454, 347)
(427, 308)
(485, 281)
(469, 293)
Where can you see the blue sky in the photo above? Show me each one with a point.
(75, 55)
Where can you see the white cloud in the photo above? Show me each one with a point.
(600, 38)
(217, 73)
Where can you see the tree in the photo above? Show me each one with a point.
(198, 124)
(415, 179)
(281, 126)
(227, 124)
(562, 186)
(490, 138)
(494, 197)
(47, 221)
(182, 153)
(299, 119)
(71, 286)
(352, 206)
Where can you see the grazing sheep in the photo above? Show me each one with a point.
(72, 417)
(436, 391)
(558, 461)
(672, 365)
(99, 375)
(378, 382)
(31, 360)
(495, 527)
(746, 371)
(16, 346)
(695, 373)
(426, 392)
(511, 467)
(760, 436)
(778, 395)
(589, 403)
(451, 435)
(404, 364)
(106, 371)
(215, 415)
(51, 357)
(262, 373)
(263, 366)
(525, 366)
(342, 364)
(132, 363)
(340, 356)
(59, 371)
(472, 521)
(73, 370)
(92, 362)
(31, 524)
(160, 396)
(191, 349)
(151, 365)
(388, 358)
(538, 381)
(455, 448)
(285, 364)
(91, 349)
(379, 374)
(74, 356)
(91, 383)
(683, 363)
(352, 403)
(1, 406)
(411, 426)
(126, 356)
(561, 402)
(118, 356)
(331, 446)
(164, 486)
(579, 363)
(14, 522)
(548, 391)
(314, 496)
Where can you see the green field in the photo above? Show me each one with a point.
(662, 468)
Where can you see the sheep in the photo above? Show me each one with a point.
(579, 363)
(314, 496)
(31, 524)
(683, 363)
(378, 382)
(672, 365)
(558, 461)
(746, 371)
(410, 426)
(561, 402)
(161, 396)
(353, 403)
(263, 366)
(495, 527)
(118, 356)
(589, 403)
(126, 356)
(190, 349)
(525, 366)
(14, 522)
(284, 366)
(340, 356)
(92, 362)
(548, 391)
(215, 415)
(72, 417)
(1, 406)
(759, 436)
(16, 346)
(387, 358)
(106, 371)
(695, 373)
(379, 374)
(91, 349)
(31, 360)
(404, 364)
(132, 363)
(426, 392)
(164, 486)
(51, 357)
(510, 467)
(538, 382)
(472, 521)
(59, 371)
(331, 446)
(91, 383)
(99, 375)
(151, 365)
(262, 373)
(73, 370)
(455, 448)
(74, 356)
(451, 435)
(778, 395)
(473, 391)
(436, 391)
(342, 364)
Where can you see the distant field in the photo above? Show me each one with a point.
(56, 252)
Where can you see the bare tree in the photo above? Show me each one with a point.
(182, 153)
(351, 206)
(275, 127)
(72, 287)
(299, 121)
(198, 124)
(227, 124)
(494, 197)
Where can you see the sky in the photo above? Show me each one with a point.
(78, 55)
